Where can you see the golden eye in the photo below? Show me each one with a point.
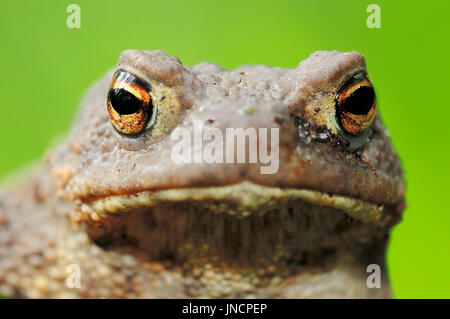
(356, 105)
(129, 103)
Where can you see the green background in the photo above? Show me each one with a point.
(46, 67)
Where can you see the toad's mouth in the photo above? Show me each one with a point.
(240, 200)
(241, 223)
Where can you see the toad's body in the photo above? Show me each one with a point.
(112, 215)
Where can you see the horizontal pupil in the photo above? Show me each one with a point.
(124, 102)
(360, 102)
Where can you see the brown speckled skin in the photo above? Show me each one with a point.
(43, 228)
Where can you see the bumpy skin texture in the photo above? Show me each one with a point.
(140, 225)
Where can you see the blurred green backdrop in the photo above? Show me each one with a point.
(47, 66)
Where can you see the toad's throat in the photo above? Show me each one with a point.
(295, 233)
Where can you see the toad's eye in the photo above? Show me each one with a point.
(356, 105)
(129, 103)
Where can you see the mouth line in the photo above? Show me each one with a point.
(241, 200)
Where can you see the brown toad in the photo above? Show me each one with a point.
(111, 214)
